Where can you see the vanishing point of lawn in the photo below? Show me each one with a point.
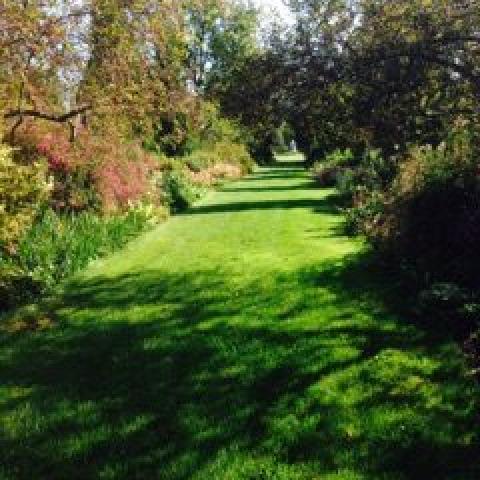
(246, 339)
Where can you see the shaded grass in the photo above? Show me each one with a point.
(256, 343)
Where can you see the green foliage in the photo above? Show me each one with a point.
(174, 135)
(231, 39)
(222, 152)
(422, 214)
(57, 246)
(234, 154)
(348, 183)
(179, 192)
(362, 186)
(431, 211)
(283, 136)
(376, 171)
(23, 190)
(39, 252)
(340, 158)
(325, 175)
(328, 171)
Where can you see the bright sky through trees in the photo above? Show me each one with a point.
(278, 5)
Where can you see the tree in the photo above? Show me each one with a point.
(378, 73)
(37, 57)
(120, 61)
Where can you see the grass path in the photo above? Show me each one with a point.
(247, 339)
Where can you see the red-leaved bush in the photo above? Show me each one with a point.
(101, 171)
(121, 181)
(58, 151)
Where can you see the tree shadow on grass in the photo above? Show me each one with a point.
(277, 175)
(304, 186)
(157, 375)
(322, 205)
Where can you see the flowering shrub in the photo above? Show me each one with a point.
(101, 193)
(92, 173)
(121, 181)
(58, 151)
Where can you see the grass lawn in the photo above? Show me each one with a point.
(246, 339)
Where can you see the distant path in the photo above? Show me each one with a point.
(246, 339)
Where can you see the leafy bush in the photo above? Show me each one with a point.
(223, 152)
(432, 213)
(423, 215)
(234, 154)
(364, 215)
(363, 187)
(179, 192)
(204, 167)
(23, 189)
(340, 158)
(376, 171)
(327, 171)
(372, 173)
(348, 183)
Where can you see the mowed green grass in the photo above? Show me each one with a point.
(246, 339)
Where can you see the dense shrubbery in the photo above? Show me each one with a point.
(421, 212)
(430, 223)
(88, 198)
(431, 213)
(215, 174)
(397, 83)
(185, 180)
(46, 240)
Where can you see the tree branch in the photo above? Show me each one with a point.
(46, 116)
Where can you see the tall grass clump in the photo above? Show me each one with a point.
(58, 246)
